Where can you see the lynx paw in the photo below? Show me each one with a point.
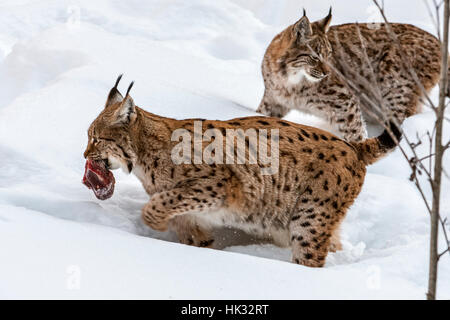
(194, 236)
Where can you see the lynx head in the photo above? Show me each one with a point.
(109, 143)
(308, 50)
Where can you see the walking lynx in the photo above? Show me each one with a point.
(303, 69)
(301, 205)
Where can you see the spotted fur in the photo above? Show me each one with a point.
(304, 65)
(301, 206)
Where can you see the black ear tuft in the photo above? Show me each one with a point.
(324, 24)
(129, 88)
(118, 80)
(304, 12)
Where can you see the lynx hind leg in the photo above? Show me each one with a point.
(190, 232)
(309, 241)
(401, 94)
(350, 123)
(312, 231)
(403, 101)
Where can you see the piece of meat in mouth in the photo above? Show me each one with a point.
(99, 179)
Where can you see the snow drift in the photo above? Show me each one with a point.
(196, 58)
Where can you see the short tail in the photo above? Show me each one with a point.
(373, 149)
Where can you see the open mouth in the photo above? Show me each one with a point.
(99, 179)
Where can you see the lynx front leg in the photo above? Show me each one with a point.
(165, 206)
(270, 108)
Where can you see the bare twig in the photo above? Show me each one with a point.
(406, 62)
(369, 92)
(434, 19)
(435, 139)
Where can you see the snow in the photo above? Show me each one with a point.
(196, 58)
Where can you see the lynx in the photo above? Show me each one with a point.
(304, 67)
(301, 205)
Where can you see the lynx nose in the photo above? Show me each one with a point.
(325, 69)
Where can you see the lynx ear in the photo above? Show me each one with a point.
(126, 113)
(303, 28)
(324, 24)
(114, 95)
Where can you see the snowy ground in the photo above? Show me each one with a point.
(196, 58)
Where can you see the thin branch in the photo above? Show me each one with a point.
(368, 91)
(444, 252)
(432, 18)
(436, 137)
(406, 64)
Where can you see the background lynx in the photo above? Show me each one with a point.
(299, 71)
